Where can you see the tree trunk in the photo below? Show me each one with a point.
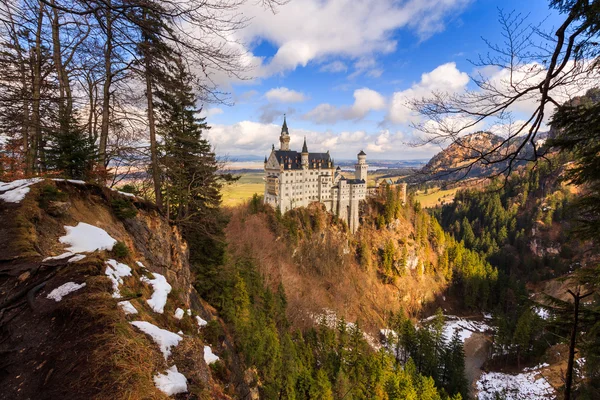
(36, 138)
(65, 104)
(152, 123)
(25, 94)
(108, 54)
(577, 297)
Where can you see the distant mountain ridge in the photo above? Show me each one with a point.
(477, 155)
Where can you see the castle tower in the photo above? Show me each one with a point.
(304, 155)
(361, 167)
(284, 139)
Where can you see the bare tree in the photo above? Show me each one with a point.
(537, 68)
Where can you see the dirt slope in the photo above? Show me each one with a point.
(84, 347)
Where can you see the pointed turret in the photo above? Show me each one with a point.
(284, 138)
(304, 155)
(284, 128)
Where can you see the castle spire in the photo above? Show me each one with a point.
(284, 138)
(284, 128)
(304, 147)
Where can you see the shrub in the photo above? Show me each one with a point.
(128, 189)
(50, 193)
(120, 250)
(123, 208)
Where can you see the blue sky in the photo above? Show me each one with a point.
(343, 70)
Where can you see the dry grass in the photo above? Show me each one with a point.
(435, 197)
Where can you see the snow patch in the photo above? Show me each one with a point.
(126, 194)
(171, 383)
(464, 327)
(541, 312)
(77, 257)
(179, 313)
(87, 238)
(16, 191)
(127, 307)
(75, 181)
(201, 322)
(209, 356)
(523, 386)
(161, 291)
(59, 257)
(63, 290)
(162, 337)
(115, 272)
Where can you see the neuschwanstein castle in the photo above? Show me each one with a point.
(295, 179)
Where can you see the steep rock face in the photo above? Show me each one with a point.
(477, 155)
(84, 344)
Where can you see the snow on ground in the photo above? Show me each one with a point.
(75, 181)
(179, 313)
(15, 195)
(171, 383)
(16, 191)
(87, 238)
(127, 307)
(162, 337)
(115, 272)
(209, 356)
(76, 257)
(161, 291)
(201, 322)
(528, 385)
(63, 290)
(60, 256)
(541, 312)
(126, 194)
(464, 327)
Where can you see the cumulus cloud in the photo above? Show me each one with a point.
(253, 138)
(445, 78)
(284, 95)
(365, 100)
(309, 30)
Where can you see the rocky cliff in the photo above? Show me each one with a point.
(97, 300)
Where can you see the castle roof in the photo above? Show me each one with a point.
(293, 159)
(355, 181)
(304, 148)
(362, 153)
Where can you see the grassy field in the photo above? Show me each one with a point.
(435, 197)
(244, 189)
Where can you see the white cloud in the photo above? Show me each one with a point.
(284, 95)
(445, 78)
(365, 100)
(309, 30)
(209, 112)
(335, 66)
(253, 138)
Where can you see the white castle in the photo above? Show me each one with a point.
(295, 179)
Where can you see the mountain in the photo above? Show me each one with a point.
(477, 155)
